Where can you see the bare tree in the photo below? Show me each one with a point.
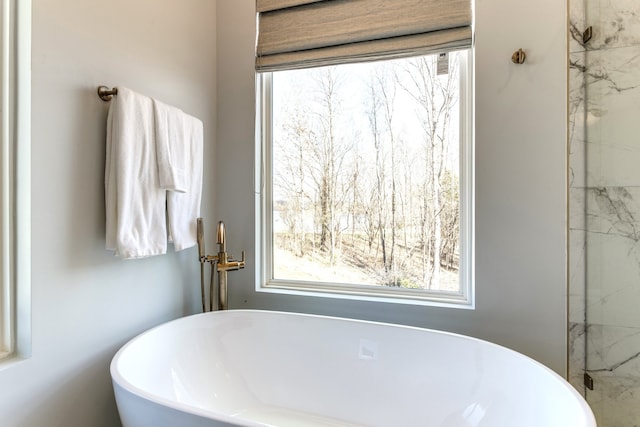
(290, 177)
(375, 105)
(387, 90)
(329, 153)
(436, 96)
(381, 108)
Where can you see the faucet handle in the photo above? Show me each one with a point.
(241, 262)
(230, 258)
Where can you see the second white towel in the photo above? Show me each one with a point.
(179, 142)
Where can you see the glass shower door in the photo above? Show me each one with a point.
(605, 191)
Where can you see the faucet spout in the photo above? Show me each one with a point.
(222, 237)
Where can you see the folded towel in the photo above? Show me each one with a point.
(183, 208)
(135, 202)
(174, 158)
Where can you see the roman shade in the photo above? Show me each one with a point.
(309, 33)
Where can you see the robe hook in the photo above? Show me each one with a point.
(518, 56)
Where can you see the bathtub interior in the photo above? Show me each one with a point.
(273, 367)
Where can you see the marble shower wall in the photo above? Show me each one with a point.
(604, 193)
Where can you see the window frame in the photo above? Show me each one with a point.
(15, 180)
(264, 220)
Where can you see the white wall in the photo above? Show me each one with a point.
(520, 175)
(86, 303)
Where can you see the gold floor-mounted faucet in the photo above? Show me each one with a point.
(223, 263)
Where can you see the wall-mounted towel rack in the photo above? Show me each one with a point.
(106, 94)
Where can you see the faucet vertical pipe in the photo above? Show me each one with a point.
(222, 290)
(212, 287)
(222, 273)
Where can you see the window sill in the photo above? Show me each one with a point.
(9, 360)
(365, 293)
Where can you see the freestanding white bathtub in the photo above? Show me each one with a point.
(260, 368)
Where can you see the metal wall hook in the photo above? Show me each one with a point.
(518, 57)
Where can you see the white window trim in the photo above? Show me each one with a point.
(263, 185)
(15, 185)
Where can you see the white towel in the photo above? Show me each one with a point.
(135, 203)
(183, 208)
(174, 158)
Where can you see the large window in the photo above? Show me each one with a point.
(368, 180)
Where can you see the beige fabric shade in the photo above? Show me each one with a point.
(308, 33)
(267, 5)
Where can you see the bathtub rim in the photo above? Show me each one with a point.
(126, 385)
